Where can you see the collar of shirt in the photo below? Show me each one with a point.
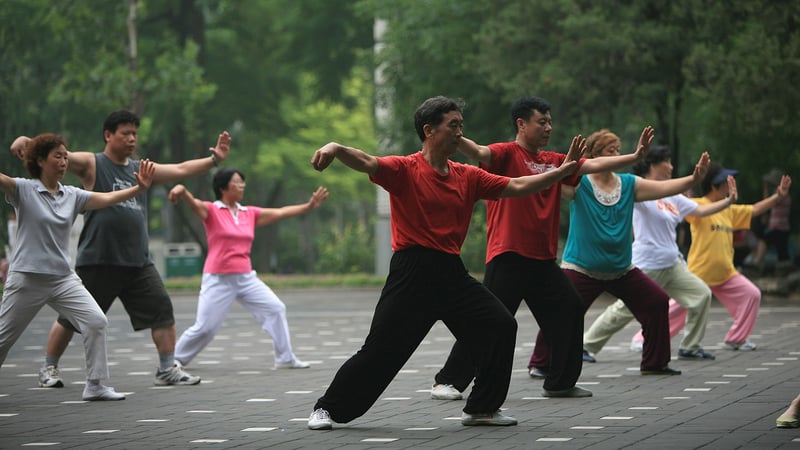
(42, 189)
(221, 205)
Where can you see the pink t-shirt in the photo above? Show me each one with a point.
(229, 238)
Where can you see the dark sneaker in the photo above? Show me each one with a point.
(495, 419)
(587, 357)
(573, 392)
(666, 370)
(695, 355)
(174, 376)
(50, 377)
(537, 372)
(320, 420)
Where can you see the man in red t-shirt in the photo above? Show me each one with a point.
(521, 251)
(431, 200)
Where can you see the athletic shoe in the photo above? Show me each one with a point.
(100, 393)
(787, 421)
(637, 346)
(695, 355)
(50, 377)
(495, 419)
(445, 392)
(174, 376)
(320, 420)
(573, 392)
(537, 372)
(294, 364)
(587, 357)
(745, 346)
(666, 370)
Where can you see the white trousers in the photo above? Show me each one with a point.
(217, 293)
(24, 294)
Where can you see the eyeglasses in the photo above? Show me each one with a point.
(239, 183)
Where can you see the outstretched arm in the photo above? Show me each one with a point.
(612, 163)
(7, 184)
(719, 205)
(272, 215)
(166, 173)
(475, 152)
(144, 178)
(769, 202)
(351, 157)
(198, 207)
(652, 189)
(530, 184)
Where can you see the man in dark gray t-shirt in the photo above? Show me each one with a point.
(113, 257)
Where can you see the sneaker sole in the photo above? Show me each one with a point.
(102, 399)
(326, 426)
(177, 383)
(442, 397)
(57, 384)
(488, 423)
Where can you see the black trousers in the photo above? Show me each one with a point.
(555, 304)
(424, 286)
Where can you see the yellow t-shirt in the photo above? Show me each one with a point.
(711, 253)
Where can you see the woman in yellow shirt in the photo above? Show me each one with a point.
(711, 253)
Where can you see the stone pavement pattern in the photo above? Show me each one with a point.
(242, 402)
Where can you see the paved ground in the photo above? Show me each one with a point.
(243, 403)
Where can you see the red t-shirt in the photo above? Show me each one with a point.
(429, 209)
(526, 225)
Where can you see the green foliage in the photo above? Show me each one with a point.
(286, 76)
(349, 250)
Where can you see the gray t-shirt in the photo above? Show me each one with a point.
(44, 222)
(116, 235)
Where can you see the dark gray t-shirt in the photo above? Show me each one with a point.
(116, 235)
(44, 223)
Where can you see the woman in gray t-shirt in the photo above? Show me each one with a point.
(39, 271)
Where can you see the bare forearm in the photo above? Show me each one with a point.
(104, 199)
(711, 208)
(357, 159)
(475, 152)
(531, 184)
(606, 164)
(765, 205)
(651, 190)
(166, 173)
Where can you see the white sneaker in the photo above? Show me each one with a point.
(445, 392)
(745, 346)
(50, 377)
(637, 346)
(295, 364)
(320, 420)
(174, 376)
(101, 393)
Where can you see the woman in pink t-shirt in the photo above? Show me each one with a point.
(228, 273)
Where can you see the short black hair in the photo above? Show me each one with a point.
(431, 112)
(657, 154)
(524, 107)
(118, 118)
(39, 148)
(222, 178)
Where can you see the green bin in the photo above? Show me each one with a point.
(183, 259)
